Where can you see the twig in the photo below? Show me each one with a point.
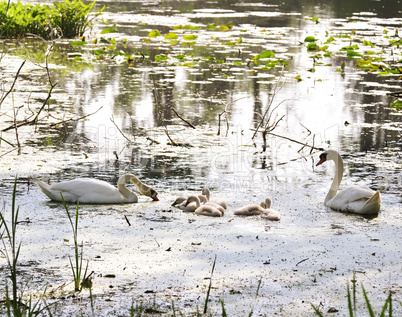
(75, 119)
(298, 142)
(268, 109)
(308, 130)
(152, 140)
(225, 112)
(16, 131)
(121, 132)
(171, 141)
(181, 118)
(29, 122)
(127, 220)
(12, 86)
(301, 261)
(34, 121)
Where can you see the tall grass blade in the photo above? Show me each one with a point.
(78, 257)
(223, 308)
(209, 287)
(350, 306)
(354, 291)
(370, 309)
(387, 303)
(318, 313)
(255, 298)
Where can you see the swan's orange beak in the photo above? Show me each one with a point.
(154, 196)
(321, 161)
(323, 158)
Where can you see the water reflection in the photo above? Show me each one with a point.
(139, 99)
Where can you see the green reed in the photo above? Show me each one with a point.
(79, 279)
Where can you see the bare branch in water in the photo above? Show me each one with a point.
(171, 140)
(13, 84)
(121, 132)
(175, 143)
(225, 111)
(298, 142)
(181, 118)
(268, 111)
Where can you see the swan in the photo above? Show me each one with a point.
(207, 194)
(206, 209)
(352, 199)
(269, 213)
(181, 201)
(94, 191)
(249, 210)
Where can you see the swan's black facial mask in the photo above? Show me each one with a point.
(323, 158)
(154, 195)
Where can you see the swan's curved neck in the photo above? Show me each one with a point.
(121, 185)
(206, 192)
(194, 199)
(337, 178)
(268, 203)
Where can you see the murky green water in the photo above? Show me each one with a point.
(349, 110)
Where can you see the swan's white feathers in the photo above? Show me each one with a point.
(94, 191)
(352, 199)
(357, 200)
(84, 190)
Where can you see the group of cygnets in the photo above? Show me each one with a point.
(202, 205)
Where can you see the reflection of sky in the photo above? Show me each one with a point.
(140, 96)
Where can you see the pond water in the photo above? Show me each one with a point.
(111, 114)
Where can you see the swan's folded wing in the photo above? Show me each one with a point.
(351, 199)
(86, 190)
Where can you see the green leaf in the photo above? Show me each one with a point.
(99, 52)
(154, 33)
(312, 47)
(171, 36)
(267, 54)
(108, 30)
(352, 53)
(310, 39)
(190, 37)
(161, 58)
(315, 19)
(78, 43)
(211, 27)
(368, 43)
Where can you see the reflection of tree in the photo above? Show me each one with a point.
(375, 110)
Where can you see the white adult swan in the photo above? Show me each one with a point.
(352, 199)
(94, 191)
(206, 209)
